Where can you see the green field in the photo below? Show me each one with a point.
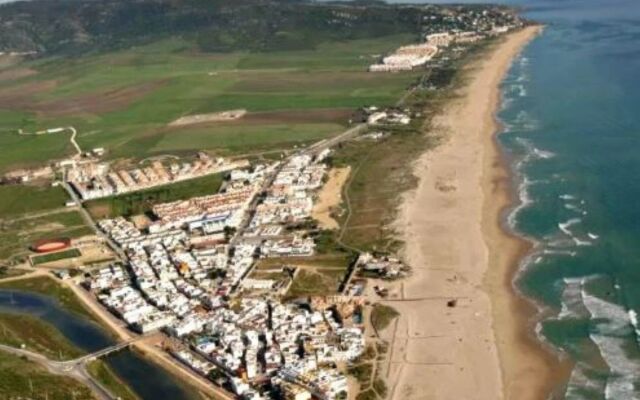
(20, 199)
(142, 201)
(123, 100)
(22, 379)
(17, 235)
(57, 256)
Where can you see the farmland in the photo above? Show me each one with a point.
(123, 100)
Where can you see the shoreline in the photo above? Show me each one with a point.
(530, 369)
(455, 241)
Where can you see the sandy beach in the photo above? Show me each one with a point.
(481, 347)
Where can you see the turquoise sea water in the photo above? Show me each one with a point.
(571, 110)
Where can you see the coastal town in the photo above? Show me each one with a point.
(184, 272)
(211, 275)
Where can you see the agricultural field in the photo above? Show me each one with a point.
(124, 100)
(17, 235)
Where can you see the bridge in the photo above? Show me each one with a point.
(76, 368)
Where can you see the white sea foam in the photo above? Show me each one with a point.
(518, 89)
(572, 305)
(525, 122)
(579, 382)
(560, 252)
(567, 197)
(580, 242)
(633, 318)
(564, 226)
(525, 201)
(593, 236)
(575, 208)
(506, 103)
(611, 341)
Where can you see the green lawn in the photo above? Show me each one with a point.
(105, 97)
(37, 336)
(22, 379)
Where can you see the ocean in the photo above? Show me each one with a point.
(571, 116)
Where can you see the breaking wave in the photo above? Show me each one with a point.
(615, 329)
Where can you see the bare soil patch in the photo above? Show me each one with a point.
(100, 102)
(222, 116)
(330, 197)
(17, 73)
(22, 97)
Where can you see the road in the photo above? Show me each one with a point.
(77, 368)
(76, 371)
(52, 131)
(92, 223)
(327, 143)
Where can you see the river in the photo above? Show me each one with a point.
(147, 380)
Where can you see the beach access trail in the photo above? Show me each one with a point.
(463, 349)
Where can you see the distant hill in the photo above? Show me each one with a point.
(79, 26)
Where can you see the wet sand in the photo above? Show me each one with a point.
(482, 345)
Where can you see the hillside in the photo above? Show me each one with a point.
(80, 26)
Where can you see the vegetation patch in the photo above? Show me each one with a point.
(22, 379)
(105, 375)
(316, 282)
(36, 335)
(382, 315)
(57, 256)
(293, 97)
(20, 199)
(142, 201)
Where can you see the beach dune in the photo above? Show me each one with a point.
(476, 347)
